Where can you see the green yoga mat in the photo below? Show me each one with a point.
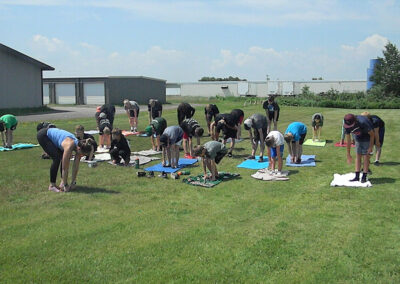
(309, 142)
(199, 180)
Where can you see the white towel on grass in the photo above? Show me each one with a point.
(142, 160)
(344, 180)
(147, 152)
(265, 174)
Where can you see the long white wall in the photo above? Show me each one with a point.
(211, 89)
(324, 86)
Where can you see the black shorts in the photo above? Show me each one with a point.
(302, 137)
(272, 114)
(132, 113)
(229, 133)
(14, 126)
(257, 134)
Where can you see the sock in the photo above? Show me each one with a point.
(357, 177)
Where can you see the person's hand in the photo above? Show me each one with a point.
(349, 159)
(378, 144)
(370, 152)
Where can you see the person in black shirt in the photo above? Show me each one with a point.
(210, 111)
(379, 131)
(109, 110)
(119, 148)
(184, 111)
(227, 123)
(190, 128)
(238, 115)
(81, 135)
(155, 109)
(272, 111)
(105, 129)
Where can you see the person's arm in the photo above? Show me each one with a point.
(376, 133)
(348, 146)
(75, 169)
(68, 146)
(275, 115)
(91, 155)
(193, 111)
(150, 110)
(371, 140)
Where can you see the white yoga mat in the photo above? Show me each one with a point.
(344, 180)
(92, 132)
(142, 160)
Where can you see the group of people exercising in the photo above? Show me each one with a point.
(365, 130)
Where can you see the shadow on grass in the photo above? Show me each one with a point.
(382, 180)
(329, 141)
(90, 190)
(390, 163)
(293, 172)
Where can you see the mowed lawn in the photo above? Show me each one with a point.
(117, 227)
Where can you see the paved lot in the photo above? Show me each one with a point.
(66, 112)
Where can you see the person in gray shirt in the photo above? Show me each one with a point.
(170, 141)
(132, 110)
(257, 126)
(211, 153)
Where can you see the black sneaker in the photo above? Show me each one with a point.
(260, 160)
(376, 163)
(150, 174)
(355, 179)
(230, 154)
(250, 158)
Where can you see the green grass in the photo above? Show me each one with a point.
(117, 227)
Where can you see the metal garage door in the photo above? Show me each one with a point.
(94, 93)
(46, 94)
(65, 93)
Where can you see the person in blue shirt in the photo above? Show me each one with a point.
(294, 136)
(60, 145)
(363, 133)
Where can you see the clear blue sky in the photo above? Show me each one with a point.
(182, 41)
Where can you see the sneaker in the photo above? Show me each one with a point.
(230, 154)
(250, 158)
(150, 174)
(163, 175)
(298, 161)
(54, 188)
(132, 129)
(376, 163)
(260, 160)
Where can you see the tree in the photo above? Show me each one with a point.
(387, 71)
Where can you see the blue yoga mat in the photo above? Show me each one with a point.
(181, 164)
(306, 161)
(19, 146)
(254, 164)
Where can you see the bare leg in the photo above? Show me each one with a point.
(153, 146)
(358, 163)
(366, 163)
(275, 125)
(378, 153)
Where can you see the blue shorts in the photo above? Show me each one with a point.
(362, 147)
(273, 151)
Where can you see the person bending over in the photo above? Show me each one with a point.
(184, 111)
(257, 127)
(294, 136)
(227, 123)
(364, 135)
(155, 109)
(210, 111)
(8, 123)
(81, 135)
(211, 154)
(132, 110)
(109, 110)
(154, 130)
(119, 148)
(105, 128)
(60, 145)
(275, 144)
(379, 134)
(272, 111)
(190, 128)
(238, 116)
(170, 141)
(317, 121)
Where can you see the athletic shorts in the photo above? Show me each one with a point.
(179, 143)
(257, 134)
(302, 137)
(274, 153)
(271, 115)
(14, 126)
(362, 147)
(186, 136)
(230, 133)
(132, 113)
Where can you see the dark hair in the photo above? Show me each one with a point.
(198, 150)
(199, 131)
(116, 131)
(86, 145)
(269, 141)
(79, 128)
(44, 124)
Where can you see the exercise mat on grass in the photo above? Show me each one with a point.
(310, 142)
(19, 146)
(199, 180)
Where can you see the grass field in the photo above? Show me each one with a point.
(116, 227)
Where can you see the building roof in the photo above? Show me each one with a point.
(24, 57)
